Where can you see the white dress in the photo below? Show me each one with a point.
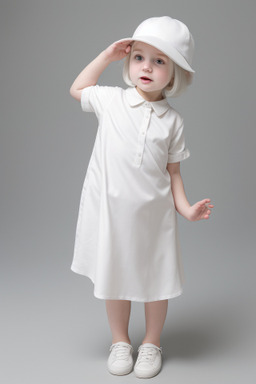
(126, 237)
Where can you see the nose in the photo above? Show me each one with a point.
(147, 67)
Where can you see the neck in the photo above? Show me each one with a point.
(150, 96)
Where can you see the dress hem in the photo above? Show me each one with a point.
(103, 297)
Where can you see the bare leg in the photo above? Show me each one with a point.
(118, 312)
(155, 314)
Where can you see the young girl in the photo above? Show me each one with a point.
(126, 237)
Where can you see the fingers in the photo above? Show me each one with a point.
(118, 50)
(127, 49)
(207, 214)
(123, 46)
(123, 43)
(205, 208)
(206, 202)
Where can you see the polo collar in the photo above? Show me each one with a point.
(134, 99)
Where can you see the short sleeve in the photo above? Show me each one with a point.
(177, 150)
(95, 98)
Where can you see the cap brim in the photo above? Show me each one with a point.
(168, 50)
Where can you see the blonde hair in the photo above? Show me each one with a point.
(182, 79)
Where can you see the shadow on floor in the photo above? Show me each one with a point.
(203, 334)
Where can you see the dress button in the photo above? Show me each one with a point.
(139, 154)
(143, 133)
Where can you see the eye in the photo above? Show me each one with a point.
(138, 57)
(159, 61)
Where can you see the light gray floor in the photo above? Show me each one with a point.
(53, 330)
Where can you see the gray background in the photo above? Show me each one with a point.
(53, 329)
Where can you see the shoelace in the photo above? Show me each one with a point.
(121, 351)
(147, 354)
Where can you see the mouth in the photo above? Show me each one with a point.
(145, 79)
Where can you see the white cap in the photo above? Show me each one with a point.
(170, 36)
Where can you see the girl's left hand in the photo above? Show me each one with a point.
(200, 210)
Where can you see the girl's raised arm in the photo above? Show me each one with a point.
(91, 73)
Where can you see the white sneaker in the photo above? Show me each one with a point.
(120, 361)
(149, 361)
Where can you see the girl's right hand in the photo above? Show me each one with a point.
(118, 50)
(91, 73)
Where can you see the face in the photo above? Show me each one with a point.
(150, 70)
